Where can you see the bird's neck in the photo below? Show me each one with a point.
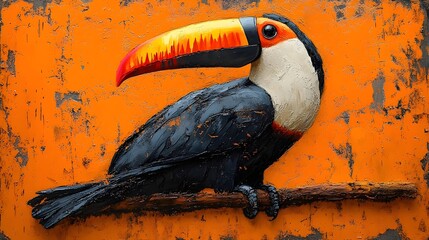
(285, 71)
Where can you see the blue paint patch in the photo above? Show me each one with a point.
(339, 12)
(405, 3)
(227, 237)
(22, 156)
(425, 165)
(389, 234)
(316, 235)
(424, 45)
(10, 62)
(60, 98)
(345, 116)
(378, 96)
(39, 4)
(240, 4)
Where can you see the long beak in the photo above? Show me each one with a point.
(221, 43)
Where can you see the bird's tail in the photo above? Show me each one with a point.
(53, 205)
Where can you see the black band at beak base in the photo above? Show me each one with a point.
(250, 29)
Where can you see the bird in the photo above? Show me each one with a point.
(221, 137)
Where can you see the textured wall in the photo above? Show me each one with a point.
(62, 118)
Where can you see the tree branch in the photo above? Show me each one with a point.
(297, 196)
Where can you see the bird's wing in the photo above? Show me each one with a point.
(210, 121)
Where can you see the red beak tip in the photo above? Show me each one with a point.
(118, 82)
(119, 79)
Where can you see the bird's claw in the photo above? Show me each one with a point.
(252, 210)
(274, 208)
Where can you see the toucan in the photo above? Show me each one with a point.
(222, 137)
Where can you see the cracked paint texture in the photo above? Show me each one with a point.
(62, 118)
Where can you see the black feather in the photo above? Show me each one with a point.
(192, 126)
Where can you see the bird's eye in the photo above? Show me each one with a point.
(269, 31)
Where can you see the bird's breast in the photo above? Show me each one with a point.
(286, 73)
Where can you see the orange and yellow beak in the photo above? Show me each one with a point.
(221, 43)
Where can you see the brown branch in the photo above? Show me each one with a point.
(296, 196)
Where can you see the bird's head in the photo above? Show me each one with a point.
(219, 43)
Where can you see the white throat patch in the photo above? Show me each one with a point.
(285, 71)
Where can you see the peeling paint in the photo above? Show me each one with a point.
(102, 150)
(345, 116)
(418, 117)
(316, 235)
(424, 44)
(76, 113)
(394, 59)
(392, 234)
(339, 12)
(378, 96)
(39, 4)
(405, 3)
(10, 62)
(22, 156)
(413, 66)
(227, 237)
(239, 4)
(6, 3)
(125, 3)
(347, 153)
(87, 122)
(389, 234)
(340, 9)
(359, 11)
(60, 98)
(377, 2)
(3, 236)
(425, 165)
(392, 26)
(415, 99)
(399, 110)
(86, 162)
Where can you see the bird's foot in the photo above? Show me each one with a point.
(274, 208)
(252, 210)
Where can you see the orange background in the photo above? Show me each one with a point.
(62, 118)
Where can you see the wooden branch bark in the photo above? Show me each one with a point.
(296, 196)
